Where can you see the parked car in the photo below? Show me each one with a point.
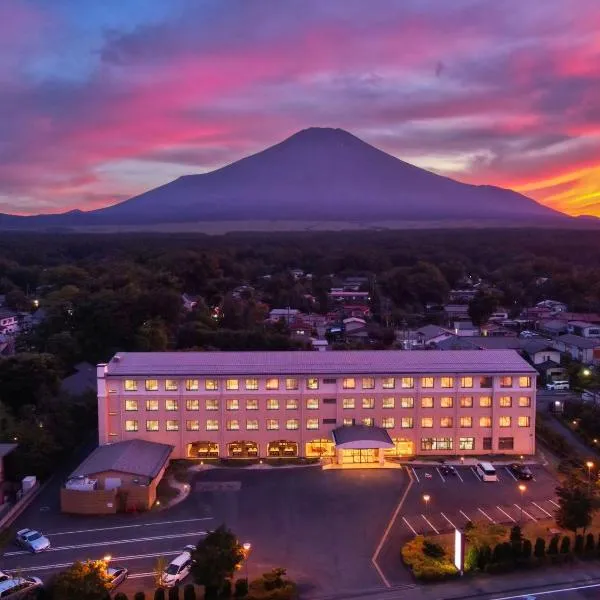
(15, 588)
(116, 576)
(177, 570)
(557, 385)
(447, 470)
(521, 471)
(4, 576)
(32, 540)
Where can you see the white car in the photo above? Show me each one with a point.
(32, 540)
(177, 570)
(557, 385)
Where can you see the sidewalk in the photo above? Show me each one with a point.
(553, 423)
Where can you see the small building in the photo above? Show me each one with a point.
(287, 314)
(585, 350)
(552, 327)
(353, 324)
(465, 329)
(118, 477)
(584, 329)
(8, 321)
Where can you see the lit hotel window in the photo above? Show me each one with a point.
(446, 402)
(485, 421)
(485, 401)
(171, 405)
(426, 382)
(171, 385)
(172, 425)
(524, 401)
(272, 383)
(368, 402)
(466, 402)
(388, 422)
(446, 422)
(505, 421)
(272, 404)
(407, 402)
(272, 424)
(505, 401)
(192, 404)
(131, 425)
(312, 424)
(191, 385)
(291, 403)
(368, 421)
(131, 405)
(252, 424)
(312, 383)
(388, 402)
(406, 422)
(211, 385)
(506, 381)
(233, 404)
(349, 383)
(348, 421)
(252, 404)
(192, 425)
(466, 443)
(447, 382)
(486, 382)
(212, 425)
(524, 421)
(426, 422)
(151, 404)
(211, 404)
(130, 385)
(291, 383)
(368, 383)
(407, 383)
(348, 403)
(233, 424)
(151, 385)
(427, 402)
(466, 382)
(312, 403)
(152, 425)
(466, 421)
(292, 424)
(232, 385)
(524, 382)
(251, 384)
(388, 383)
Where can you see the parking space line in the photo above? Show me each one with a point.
(410, 526)
(505, 513)
(150, 524)
(555, 504)
(475, 474)
(459, 476)
(415, 474)
(498, 477)
(544, 511)
(510, 473)
(465, 516)
(525, 512)
(449, 521)
(440, 474)
(486, 515)
(430, 524)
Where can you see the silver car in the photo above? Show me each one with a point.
(32, 540)
(116, 576)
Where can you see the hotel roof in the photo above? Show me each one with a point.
(337, 362)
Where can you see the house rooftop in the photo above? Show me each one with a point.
(6, 449)
(140, 364)
(579, 342)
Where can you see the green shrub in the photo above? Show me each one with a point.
(553, 546)
(241, 588)
(472, 558)
(189, 592)
(432, 549)
(225, 591)
(120, 596)
(526, 549)
(515, 534)
(159, 593)
(539, 550)
(579, 542)
(565, 545)
(590, 544)
(174, 593)
(485, 557)
(426, 568)
(435, 572)
(139, 596)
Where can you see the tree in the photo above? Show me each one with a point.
(565, 545)
(516, 540)
(539, 550)
(484, 558)
(174, 593)
(189, 592)
(526, 549)
(217, 558)
(120, 596)
(553, 545)
(432, 549)
(241, 588)
(575, 506)
(159, 593)
(159, 566)
(86, 580)
(579, 543)
(481, 307)
(139, 596)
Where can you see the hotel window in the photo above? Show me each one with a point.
(171, 385)
(427, 422)
(407, 383)
(312, 423)
(291, 383)
(524, 421)
(447, 382)
(368, 383)
(212, 425)
(426, 382)
(485, 422)
(272, 404)
(368, 402)
(152, 405)
(292, 424)
(312, 383)
(407, 402)
(443, 443)
(446, 402)
(524, 382)
(505, 401)
(252, 404)
(171, 405)
(348, 421)
(272, 383)
(130, 385)
(211, 404)
(232, 404)
(388, 383)
(251, 424)
(427, 402)
(192, 425)
(389, 402)
(232, 385)
(524, 401)
(406, 422)
(291, 404)
(485, 401)
(233, 424)
(330, 380)
(211, 385)
(151, 385)
(251, 384)
(368, 421)
(388, 422)
(506, 443)
(486, 382)
(466, 402)
(152, 425)
(131, 405)
(466, 382)
(505, 421)
(272, 424)
(131, 425)
(192, 404)
(466, 443)
(312, 403)
(446, 422)
(466, 421)
(349, 383)
(348, 403)
(172, 425)
(487, 443)
(191, 385)
(506, 381)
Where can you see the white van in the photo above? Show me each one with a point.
(486, 471)
(558, 385)
(19, 587)
(177, 570)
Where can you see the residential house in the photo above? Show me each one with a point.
(584, 329)
(343, 297)
(287, 314)
(465, 329)
(567, 317)
(319, 345)
(242, 292)
(480, 342)
(585, 350)
(462, 296)
(455, 312)
(545, 358)
(8, 321)
(429, 335)
(297, 273)
(189, 302)
(7, 345)
(353, 323)
(497, 330)
(353, 284)
(552, 327)
(552, 305)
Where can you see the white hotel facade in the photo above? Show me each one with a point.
(350, 406)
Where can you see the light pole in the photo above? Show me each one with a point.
(247, 546)
(522, 489)
(590, 465)
(426, 499)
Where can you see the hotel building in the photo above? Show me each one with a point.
(349, 406)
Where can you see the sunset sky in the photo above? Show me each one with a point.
(101, 100)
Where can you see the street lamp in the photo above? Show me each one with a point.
(247, 546)
(586, 372)
(522, 489)
(589, 464)
(426, 499)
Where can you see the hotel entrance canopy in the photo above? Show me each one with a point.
(360, 437)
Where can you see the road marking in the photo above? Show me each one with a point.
(388, 528)
(498, 477)
(449, 521)
(510, 473)
(465, 516)
(110, 542)
(544, 511)
(504, 512)
(440, 474)
(152, 524)
(415, 474)
(486, 515)
(409, 526)
(458, 475)
(430, 524)
(525, 512)
(545, 593)
(555, 504)
(475, 474)
(140, 575)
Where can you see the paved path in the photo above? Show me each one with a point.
(554, 424)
